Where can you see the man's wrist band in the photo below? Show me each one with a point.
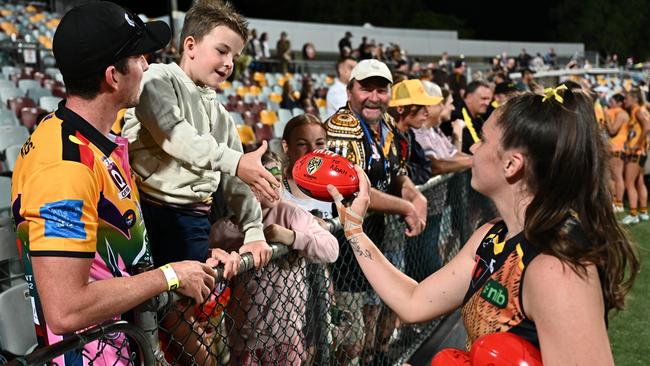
(170, 275)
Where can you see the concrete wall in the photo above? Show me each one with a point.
(416, 42)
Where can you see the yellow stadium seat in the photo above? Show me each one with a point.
(226, 85)
(320, 102)
(275, 97)
(246, 134)
(5, 12)
(241, 91)
(255, 90)
(268, 117)
(260, 78)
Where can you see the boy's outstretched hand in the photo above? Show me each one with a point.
(252, 172)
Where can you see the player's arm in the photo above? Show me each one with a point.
(438, 294)
(62, 225)
(613, 126)
(71, 303)
(568, 312)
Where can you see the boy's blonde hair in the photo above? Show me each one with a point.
(205, 15)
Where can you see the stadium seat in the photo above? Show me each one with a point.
(275, 97)
(278, 128)
(17, 104)
(237, 118)
(297, 111)
(16, 322)
(49, 103)
(9, 70)
(246, 134)
(263, 132)
(5, 196)
(30, 116)
(268, 117)
(8, 118)
(4, 84)
(11, 154)
(37, 92)
(8, 93)
(12, 135)
(284, 115)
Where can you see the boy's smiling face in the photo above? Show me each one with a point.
(209, 61)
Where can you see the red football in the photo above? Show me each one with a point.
(315, 170)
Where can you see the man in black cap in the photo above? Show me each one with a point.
(75, 203)
(457, 80)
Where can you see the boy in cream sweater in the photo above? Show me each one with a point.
(183, 143)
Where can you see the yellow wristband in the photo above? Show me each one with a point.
(170, 275)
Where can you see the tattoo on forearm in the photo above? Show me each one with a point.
(356, 247)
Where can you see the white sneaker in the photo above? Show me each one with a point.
(644, 217)
(629, 219)
(618, 209)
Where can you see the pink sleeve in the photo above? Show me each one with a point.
(312, 241)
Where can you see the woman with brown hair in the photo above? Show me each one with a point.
(553, 265)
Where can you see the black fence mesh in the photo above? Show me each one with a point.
(293, 312)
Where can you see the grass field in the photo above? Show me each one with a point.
(629, 330)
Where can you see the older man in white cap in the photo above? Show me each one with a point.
(362, 132)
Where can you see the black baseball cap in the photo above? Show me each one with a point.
(505, 87)
(92, 36)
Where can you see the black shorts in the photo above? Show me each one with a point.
(636, 158)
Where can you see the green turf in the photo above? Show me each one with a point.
(629, 330)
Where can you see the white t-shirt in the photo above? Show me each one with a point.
(309, 204)
(336, 97)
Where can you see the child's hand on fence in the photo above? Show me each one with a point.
(230, 261)
(260, 250)
(275, 233)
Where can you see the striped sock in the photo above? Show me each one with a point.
(643, 210)
(633, 212)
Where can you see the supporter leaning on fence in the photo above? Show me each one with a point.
(557, 256)
(183, 143)
(362, 132)
(303, 134)
(75, 204)
(268, 311)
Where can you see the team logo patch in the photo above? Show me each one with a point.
(314, 164)
(118, 179)
(129, 218)
(494, 293)
(63, 219)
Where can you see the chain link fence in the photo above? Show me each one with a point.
(293, 312)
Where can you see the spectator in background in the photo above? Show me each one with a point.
(362, 133)
(410, 106)
(344, 43)
(443, 63)
(308, 95)
(445, 157)
(308, 51)
(178, 130)
(527, 83)
(523, 60)
(364, 49)
(265, 51)
(471, 109)
(290, 97)
(337, 94)
(550, 58)
(301, 135)
(537, 63)
(267, 316)
(457, 81)
(502, 92)
(283, 52)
